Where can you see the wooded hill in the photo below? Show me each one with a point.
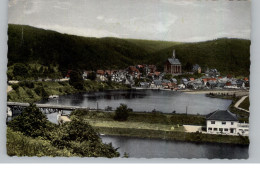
(45, 47)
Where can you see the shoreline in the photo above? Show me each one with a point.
(193, 142)
(173, 135)
(191, 91)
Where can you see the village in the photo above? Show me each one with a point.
(172, 78)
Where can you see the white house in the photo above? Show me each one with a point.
(224, 122)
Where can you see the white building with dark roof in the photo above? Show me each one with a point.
(224, 122)
(173, 65)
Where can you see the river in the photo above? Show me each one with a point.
(164, 101)
(145, 100)
(159, 148)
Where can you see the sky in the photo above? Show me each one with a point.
(167, 20)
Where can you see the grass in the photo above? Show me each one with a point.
(155, 125)
(27, 91)
(173, 135)
(149, 118)
(21, 145)
(245, 104)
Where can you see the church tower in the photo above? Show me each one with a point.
(173, 54)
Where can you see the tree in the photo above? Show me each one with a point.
(167, 76)
(92, 76)
(188, 66)
(76, 80)
(20, 70)
(122, 113)
(31, 122)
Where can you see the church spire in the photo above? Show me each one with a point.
(173, 54)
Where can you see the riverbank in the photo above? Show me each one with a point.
(29, 92)
(156, 126)
(173, 135)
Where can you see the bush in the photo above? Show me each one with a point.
(76, 80)
(122, 113)
(15, 86)
(32, 122)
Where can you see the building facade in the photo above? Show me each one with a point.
(224, 122)
(173, 65)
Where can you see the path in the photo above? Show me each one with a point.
(239, 102)
(192, 128)
(9, 88)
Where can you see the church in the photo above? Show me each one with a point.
(173, 65)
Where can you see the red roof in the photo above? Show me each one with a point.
(192, 79)
(228, 83)
(157, 73)
(133, 69)
(100, 72)
(246, 79)
(212, 79)
(229, 76)
(205, 80)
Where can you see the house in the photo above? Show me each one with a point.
(196, 68)
(224, 122)
(156, 84)
(221, 121)
(101, 75)
(144, 84)
(212, 72)
(152, 68)
(133, 71)
(174, 80)
(85, 74)
(173, 65)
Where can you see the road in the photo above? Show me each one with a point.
(239, 102)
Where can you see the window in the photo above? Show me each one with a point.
(223, 123)
(215, 129)
(225, 129)
(210, 129)
(212, 122)
(232, 123)
(221, 129)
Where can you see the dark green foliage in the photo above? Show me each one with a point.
(27, 84)
(20, 69)
(175, 135)
(229, 56)
(79, 112)
(121, 113)
(32, 122)
(188, 66)
(42, 138)
(76, 80)
(91, 76)
(19, 145)
(153, 118)
(245, 104)
(167, 76)
(68, 52)
(80, 138)
(41, 92)
(15, 86)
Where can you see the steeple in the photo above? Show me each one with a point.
(173, 54)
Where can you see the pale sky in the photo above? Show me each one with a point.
(170, 20)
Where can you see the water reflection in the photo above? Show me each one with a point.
(145, 100)
(157, 148)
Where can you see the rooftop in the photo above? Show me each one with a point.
(174, 61)
(221, 115)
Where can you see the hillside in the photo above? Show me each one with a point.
(32, 45)
(229, 56)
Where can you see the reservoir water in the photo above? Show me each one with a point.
(164, 101)
(159, 148)
(145, 100)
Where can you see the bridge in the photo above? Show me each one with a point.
(46, 108)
